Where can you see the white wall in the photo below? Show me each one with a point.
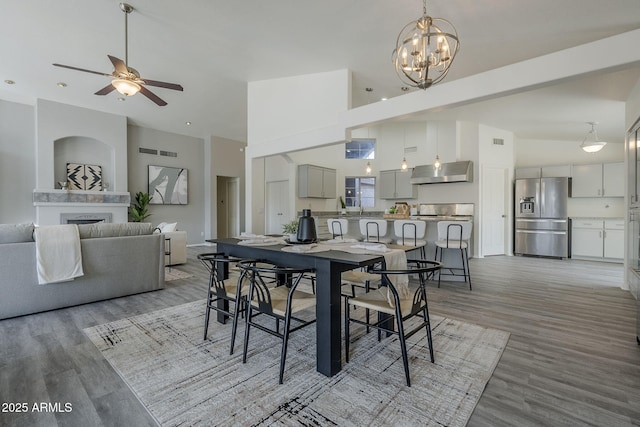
(190, 151)
(55, 121)
(17, 162)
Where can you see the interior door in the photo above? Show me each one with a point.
(233, 217)
(494, 212)
(277, 209)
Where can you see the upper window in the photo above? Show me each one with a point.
(360, 149)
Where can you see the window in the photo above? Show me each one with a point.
(360, 191)
(360, 149)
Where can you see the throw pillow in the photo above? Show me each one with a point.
(16, 233)
(168, 228)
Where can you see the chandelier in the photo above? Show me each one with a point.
(425, 50)
(591, 143)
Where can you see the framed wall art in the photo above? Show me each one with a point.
(167, 185)
(84, 177)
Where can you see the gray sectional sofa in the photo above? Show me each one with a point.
(117, 259)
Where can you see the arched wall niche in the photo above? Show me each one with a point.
(83, 150)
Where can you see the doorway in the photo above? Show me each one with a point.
(277, 202)
(228, 206)
(495, 188)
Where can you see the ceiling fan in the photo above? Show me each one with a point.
(127, 80)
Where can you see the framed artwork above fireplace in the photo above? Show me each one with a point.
(84, 177)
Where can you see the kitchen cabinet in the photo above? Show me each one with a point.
(528, 173)
(598, 180)
(601, 239)
(544, 172)
(396, 184)
(316, 182)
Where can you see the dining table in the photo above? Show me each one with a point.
(328, 264)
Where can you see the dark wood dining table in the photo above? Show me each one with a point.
(328, 266)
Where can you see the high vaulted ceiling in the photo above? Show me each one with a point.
(214, 47)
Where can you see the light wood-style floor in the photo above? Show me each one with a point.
(572, 358)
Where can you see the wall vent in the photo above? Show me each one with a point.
(410, 150)
(498, 141)
(168, 153)
(147, 151)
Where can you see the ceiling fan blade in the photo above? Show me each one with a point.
(165, 85)
(82, 69)
(152, 96)
(106, 90)
(119, 65)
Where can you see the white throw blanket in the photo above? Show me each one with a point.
(396, 259)
(58, 254)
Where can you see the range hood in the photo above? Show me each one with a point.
(449, 172)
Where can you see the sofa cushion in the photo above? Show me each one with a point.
(92, 231)
(16, 233)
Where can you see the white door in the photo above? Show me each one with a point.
(494, 214)
(277, 206)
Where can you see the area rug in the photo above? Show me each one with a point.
(172, 273)
(183, 380)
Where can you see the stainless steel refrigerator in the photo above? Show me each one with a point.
(541, 222)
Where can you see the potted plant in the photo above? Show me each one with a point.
(343, 206)
(291, 228)
(139, 210)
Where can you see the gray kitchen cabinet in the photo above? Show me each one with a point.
(396, 184)
(598, 180)
(316, 182)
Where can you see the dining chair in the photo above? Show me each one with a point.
(374, 230)
(231, 292)
(454, 235)
(411, 233)
(280, 303)
(338, 227)
(387, 302)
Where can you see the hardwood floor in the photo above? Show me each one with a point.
(572, 358)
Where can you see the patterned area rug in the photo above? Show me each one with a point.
(172, 273)
(183, 380)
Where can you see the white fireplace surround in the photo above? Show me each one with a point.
(52, 206)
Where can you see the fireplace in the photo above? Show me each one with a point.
(84, 218)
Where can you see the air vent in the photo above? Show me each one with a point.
(168, 153)
(498, 141)
(410, 150)
(147, 151)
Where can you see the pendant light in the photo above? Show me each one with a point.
(404, 166)
(368, 168)
(591, 143)
(436, 162)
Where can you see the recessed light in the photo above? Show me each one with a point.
(121, 98)
(383, 99)
(187, 123)
(61, 84)
(404, 88)
(10, 82)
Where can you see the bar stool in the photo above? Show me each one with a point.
(401, 309)
(280, 303)
(411, 233)
(224, 290)
(374, 230)
(454, 235)
(338, 227)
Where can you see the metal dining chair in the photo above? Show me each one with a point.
(280, 303)
(338, 227)
(230, 292)
(400, 309)
(411, 233)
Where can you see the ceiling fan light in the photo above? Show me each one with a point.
(126, 87)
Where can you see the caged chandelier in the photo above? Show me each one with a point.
(425, 50)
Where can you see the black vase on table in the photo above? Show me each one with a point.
(307, 228)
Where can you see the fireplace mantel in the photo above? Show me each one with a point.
(51, 204)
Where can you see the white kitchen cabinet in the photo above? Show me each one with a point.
(613, 179)
(528, 173)
(316, 182)
(556, 171)
(614, 239)
(599, 238)
(598, 180)
(396, 184)
(587, 238)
